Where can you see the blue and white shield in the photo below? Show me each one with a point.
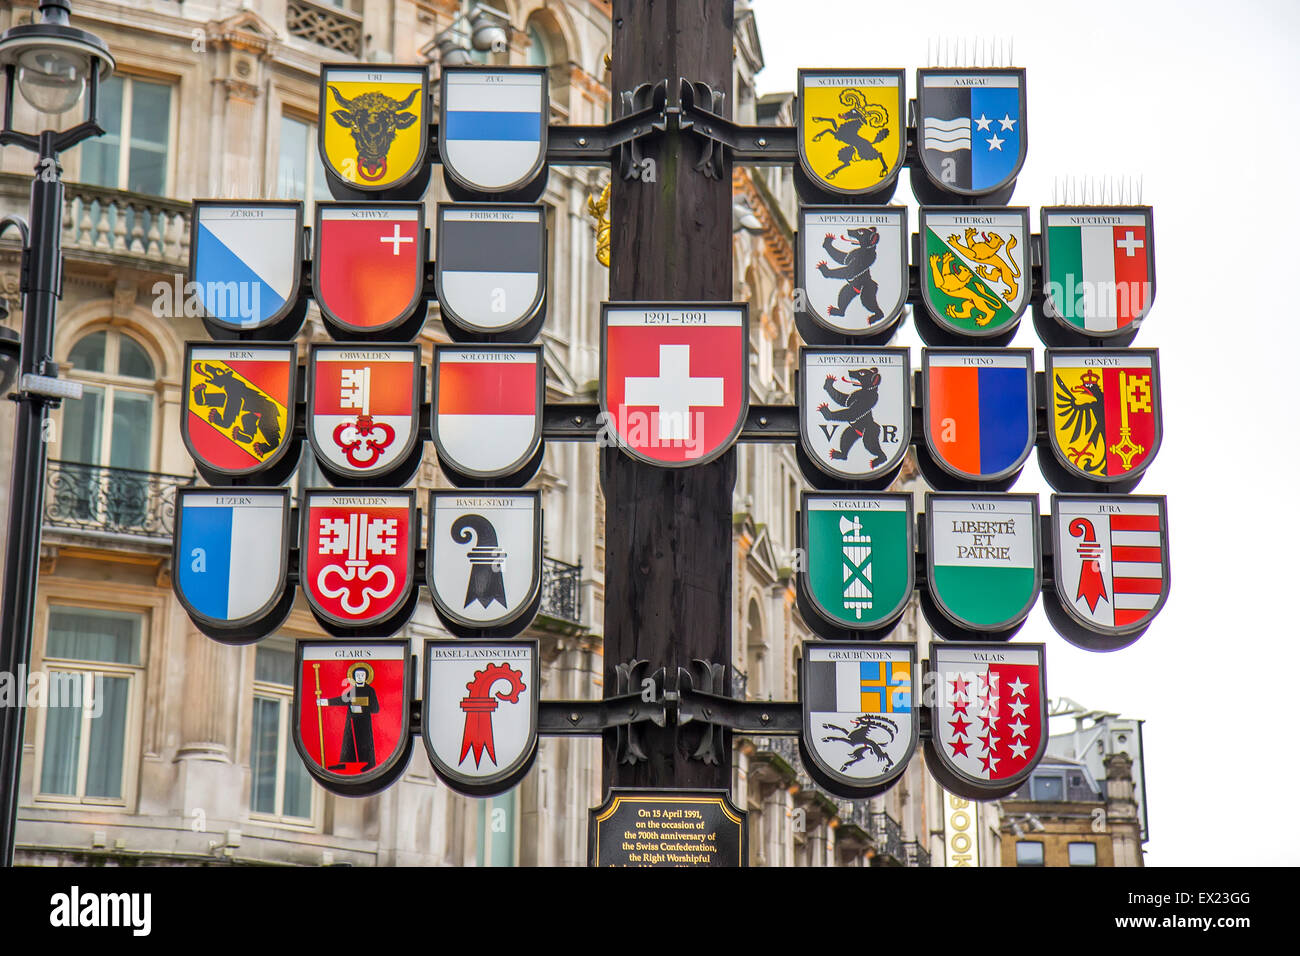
(492, 126)
(231, 556)
(245, 260)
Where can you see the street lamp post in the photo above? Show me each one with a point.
(50, 63)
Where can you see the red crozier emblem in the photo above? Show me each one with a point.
(481, 703)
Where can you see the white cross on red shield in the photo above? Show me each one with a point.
(674, 383)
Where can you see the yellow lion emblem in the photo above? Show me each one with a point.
(988, 259)
(958, 284)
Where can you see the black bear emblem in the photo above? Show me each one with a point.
(856, 271)
(856, 411)
(236, 405)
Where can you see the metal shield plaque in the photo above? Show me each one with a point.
(357, 555)
(484, 556)
(674, 383)
(988, 716)
(246, 261)
(971, 127)
(352, 707)
(667, 828)
(859, 724)
(855, 409)
(363, 406)
(374, 128)
(1099, 268)
(368, 266)
(491, 265)
(492, 126)
(852, 128)
(239, 415)
(488, 400)
(975, 268)
(853, 266)
(480, 712)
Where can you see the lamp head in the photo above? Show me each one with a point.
(52, 60)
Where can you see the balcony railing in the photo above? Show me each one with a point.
(111, 500)
(887, 835)
(561, 590)
(916, 855)
(119, 223)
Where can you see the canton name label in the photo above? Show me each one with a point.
(940, 360)
(496, 358)
(1097, 361)
(1072, 506)
(980, 532)
(858, 359)
(490, 215)
(224, 213)
(365, 356)
(227, 355)
(950, 82)
(830, 654)
(856, 504)
(405, 215)
(344, 75)
(480, 653)
(956, 657)
(660, 316)
(352, 653)
(1118, 220)
(353, 501)
(822, 219)
(485, 504)
(850, 80)
(1004, 220)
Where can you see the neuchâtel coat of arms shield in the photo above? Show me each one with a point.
(852, 130)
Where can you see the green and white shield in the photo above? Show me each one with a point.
(975, 268)
(857, 568)
(982, 555)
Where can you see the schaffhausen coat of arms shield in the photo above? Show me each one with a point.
(852, 129)
(492, 128)
(983, 562)
(368, 268)
(975, 269)
(855, 411)
(374, 128)
(988, 716)
(491, 266)
(487, 417)
(363, 407)
(971, 128)
(357, 560)
(239, 415)
(230, 558)
(1105, 422)
(480, 712)
(246, 262)
(852, 267)
(674, 383)
(1111, 567)
(857, 573)
(979, 415)
(484, 559)
(859, 721)
(351, 712)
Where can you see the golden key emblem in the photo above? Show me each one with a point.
(1136, 392)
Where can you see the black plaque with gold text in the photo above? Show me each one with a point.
(667, 828)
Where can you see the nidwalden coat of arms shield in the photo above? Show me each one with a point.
(857, 572)
(859, 722)
(1099, 268)
(484, 558)
(1112, 567)
(674, 383)
(1105, 422)
(491, 266)
(239, 415)
(357, 559)
(971, 127)
(492, 127)
(974, 268)
(983, 563)
(351, 712)
(480, 712)
(852, 129)
(978, 414)
(374, 125)
(363, 407)
(246, 259)
(988, 716)
(487, 408)
(368, 268)
(855, 410)
(852, 266)
(230, 559)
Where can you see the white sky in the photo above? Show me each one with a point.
(1200, 100)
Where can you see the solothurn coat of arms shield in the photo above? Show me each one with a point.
(487, 411)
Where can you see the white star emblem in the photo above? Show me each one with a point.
(992, 719)
(1018, 728)
(1007, 122)
(992, 744)
(1018, 750)
(995, 143)
(1018, 707)
(993, 763)
(1018, 687)
(983, 122)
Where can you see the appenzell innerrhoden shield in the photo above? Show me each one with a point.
(988, 715)
(364, 408)
(357, 554)
(674, 384)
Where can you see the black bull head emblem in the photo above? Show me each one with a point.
(374, 120)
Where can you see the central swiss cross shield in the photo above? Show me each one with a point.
(674, 384)
(988, 716)
(363, 406)
(357, 558)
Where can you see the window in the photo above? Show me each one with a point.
(498, 830)
(1029, 853)
(1083, 854)
(301, 174)
(538, 53)
(1049, 788)
(133, 152)
(280, 786)
(93, 662)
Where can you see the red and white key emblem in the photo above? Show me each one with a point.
(364, 403)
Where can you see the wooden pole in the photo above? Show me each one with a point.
(668, 531)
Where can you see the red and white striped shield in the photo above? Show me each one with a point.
(363, 407)
(487, 420)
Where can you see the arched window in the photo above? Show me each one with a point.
(112, 424)
(539, 52)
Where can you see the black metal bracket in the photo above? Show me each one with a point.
(582, 421)
(563, 718)
(699, 111)
(745, 716)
